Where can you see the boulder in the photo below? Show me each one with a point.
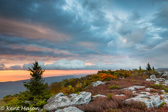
(69, 109)
(99, 95)
(166, 82)
(160, 79)
(144, 93)
(60, 100)
(153, 77)
(81, 98)
(165, 98)
(97, 83)
(133, 88)
(148, 89)
(149, 100)
(164, 74)
(148, 80)
(120, 95)
(57, 101)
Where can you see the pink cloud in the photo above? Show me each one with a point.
(29, 30)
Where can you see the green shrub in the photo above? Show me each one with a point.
(134, 81)
(109, 96)
(162, 104)
(114, 87)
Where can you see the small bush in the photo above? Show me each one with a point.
(107, 77)
(109, 96)
(134, 81)
(162, 104)
(123, 73)
(114, 87)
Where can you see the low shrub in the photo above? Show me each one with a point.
(107, 77)
(162, 104)
(109, 96)
(123, 73)
(114, 87)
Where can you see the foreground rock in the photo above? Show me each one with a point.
(133, 88)
(69, 109)
(97, 83)
(99, 95)
(153, 77)
(60, 100)
(158, 80)
(149, 100)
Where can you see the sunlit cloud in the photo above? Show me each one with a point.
(73, 34)
(28, 30)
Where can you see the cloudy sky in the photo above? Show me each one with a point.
(83, 34)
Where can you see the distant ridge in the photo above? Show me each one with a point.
(162, 69)
(14, 87)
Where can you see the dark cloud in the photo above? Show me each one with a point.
(161, 18)
(83, 31)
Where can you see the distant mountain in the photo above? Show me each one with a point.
(14, 87)
(162, 69)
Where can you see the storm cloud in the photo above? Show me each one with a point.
(83, 34)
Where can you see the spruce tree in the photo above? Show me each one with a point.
(140, 68)
(37, 91)
(148, 67)
(153, 68)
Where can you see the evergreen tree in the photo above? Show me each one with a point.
(140, 68)
(37, 91)
(153, 68)
(148, 67)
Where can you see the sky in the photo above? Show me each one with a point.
(83, 34)
(16, 75)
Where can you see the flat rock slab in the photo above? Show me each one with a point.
(149, 100)
(60, 100)
(97, 83)
(133, 88)
(153, 77)
(99, 95)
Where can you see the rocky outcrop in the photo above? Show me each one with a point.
(60, 100)
(81, 98)
(133, 88)
(153, 77)
(165, 98)
(158, 80)
(148, 80)
(99, 95)
(148, 89)
(97, 83)
(149, 100)
(120, 95)
(69, 109)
